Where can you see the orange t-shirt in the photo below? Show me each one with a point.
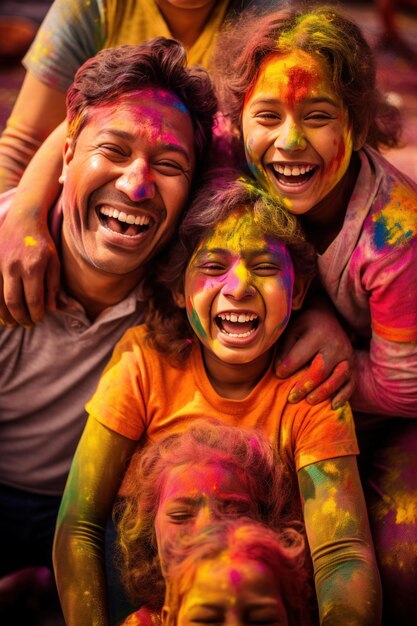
(142, 397)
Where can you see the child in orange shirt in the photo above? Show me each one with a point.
(218, 305)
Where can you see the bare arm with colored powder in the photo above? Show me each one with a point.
(346, 575)
(29, 265)
(94, 479)
(39, 109)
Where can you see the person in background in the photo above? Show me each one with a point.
(74, 31)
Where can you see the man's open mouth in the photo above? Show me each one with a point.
(292, 174)
(237, 324)
(123, 223)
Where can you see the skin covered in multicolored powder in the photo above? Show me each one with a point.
(239, 292)
(195, 495)
(296, 131)
(234, 591)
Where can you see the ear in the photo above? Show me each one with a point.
(165, 613)
(360, 140)
(300, 289)
(69, 148)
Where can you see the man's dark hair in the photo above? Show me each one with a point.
(160, 63)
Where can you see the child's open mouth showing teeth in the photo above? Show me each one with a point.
(293, 174)
(237, 324)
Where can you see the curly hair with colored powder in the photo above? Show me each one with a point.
(281, 552)
(246, 453)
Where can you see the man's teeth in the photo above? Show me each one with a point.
(139, 220)
(296, 170)
(241, 317)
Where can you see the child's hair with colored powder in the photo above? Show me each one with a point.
(323, 32)
(281, 552)
(223, 191)
(246, 453)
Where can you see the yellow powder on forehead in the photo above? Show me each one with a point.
(234, 231)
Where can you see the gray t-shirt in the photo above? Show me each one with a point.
(47, 374)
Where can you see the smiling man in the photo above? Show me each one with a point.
(139, 121)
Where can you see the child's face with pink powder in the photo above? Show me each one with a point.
(239, 291)
(194, 495)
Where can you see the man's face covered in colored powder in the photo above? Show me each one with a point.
(238, 290)
(296, 130)
(127, 179)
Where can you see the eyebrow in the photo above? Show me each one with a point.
(206, 605)
(122, 134)
(229, 497)
(317, 100)
(251, 254)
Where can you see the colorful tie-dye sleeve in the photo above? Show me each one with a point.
(346, 575)
(71, 33)
(387, 374)
(94, 479)
(387, 379)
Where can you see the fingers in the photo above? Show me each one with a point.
(344, 394)
(337, 379)
(15, 302)
(5, 318)
(310, 379)
(33, 298)
(26, 283)
(317, 386)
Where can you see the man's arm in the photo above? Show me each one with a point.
(96, 473)
(346, 575)
(29, 265)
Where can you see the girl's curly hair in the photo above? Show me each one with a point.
(283, 553)
(244, 452)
